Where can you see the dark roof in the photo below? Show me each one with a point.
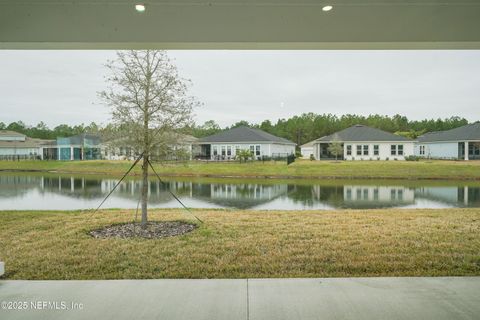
(468, 132)
(244, 134)
(362, 133)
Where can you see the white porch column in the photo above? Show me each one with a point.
(466, 150)
(465, 195)
(71, 153)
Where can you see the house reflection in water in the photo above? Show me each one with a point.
(364, 196)
(461, 196)
(89, 188)
(241, 196)
(86, 192)
(378, 196)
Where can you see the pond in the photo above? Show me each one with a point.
(63, 192)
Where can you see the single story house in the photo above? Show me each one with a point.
(226, 144)
(178, 147)
(459, 143)
(15, 145)
(360, 142)
(307, 150)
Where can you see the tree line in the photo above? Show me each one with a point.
(299, 129)
(42, 131)
(310, 126)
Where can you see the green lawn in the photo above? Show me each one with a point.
(238, 244)
(301, 169)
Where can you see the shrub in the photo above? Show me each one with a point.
(312, 157)
(412, 158)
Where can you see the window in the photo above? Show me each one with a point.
(376, 150)
(365, 150)
(400, 149)
(422, 150)
(229, 150)
(223, 150)
(349, 150)
(237, 149)
(349, 192)
(365, 194)
(215, 151)
(375, 194)
(393, 150)
(359, 150)
(257, 150)
(252, 150)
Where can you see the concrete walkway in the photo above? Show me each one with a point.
(262, 299)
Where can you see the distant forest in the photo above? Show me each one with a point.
(299, 129)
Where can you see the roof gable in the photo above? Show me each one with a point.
(244, 134)
(362, 133)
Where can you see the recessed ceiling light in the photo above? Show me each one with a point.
(327, 8)
(140, 7)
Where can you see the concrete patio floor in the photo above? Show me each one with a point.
(330, 298)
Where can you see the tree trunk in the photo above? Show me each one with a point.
(144, 191)
(146, 151)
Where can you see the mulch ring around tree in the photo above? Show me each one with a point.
(153, 230)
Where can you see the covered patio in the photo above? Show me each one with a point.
(325, 154)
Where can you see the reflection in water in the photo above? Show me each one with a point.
(63, 192)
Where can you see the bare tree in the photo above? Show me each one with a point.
(335, 147)
(148, 101)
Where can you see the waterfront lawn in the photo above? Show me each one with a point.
(238, 244)
(300, 169)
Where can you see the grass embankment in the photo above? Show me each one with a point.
(237, 244)
(460, 170)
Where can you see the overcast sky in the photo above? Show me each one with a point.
(60, 86)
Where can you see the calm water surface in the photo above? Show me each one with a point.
(43, 192)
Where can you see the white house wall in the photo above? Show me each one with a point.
(282, 149)
(438, 150)
(266, 149)
(306, 152)
(19, 151)
(384, 151)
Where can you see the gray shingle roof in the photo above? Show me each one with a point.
(28, 143)
(362, 133)
(468, 132)
(10, 133)
(244, 134)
